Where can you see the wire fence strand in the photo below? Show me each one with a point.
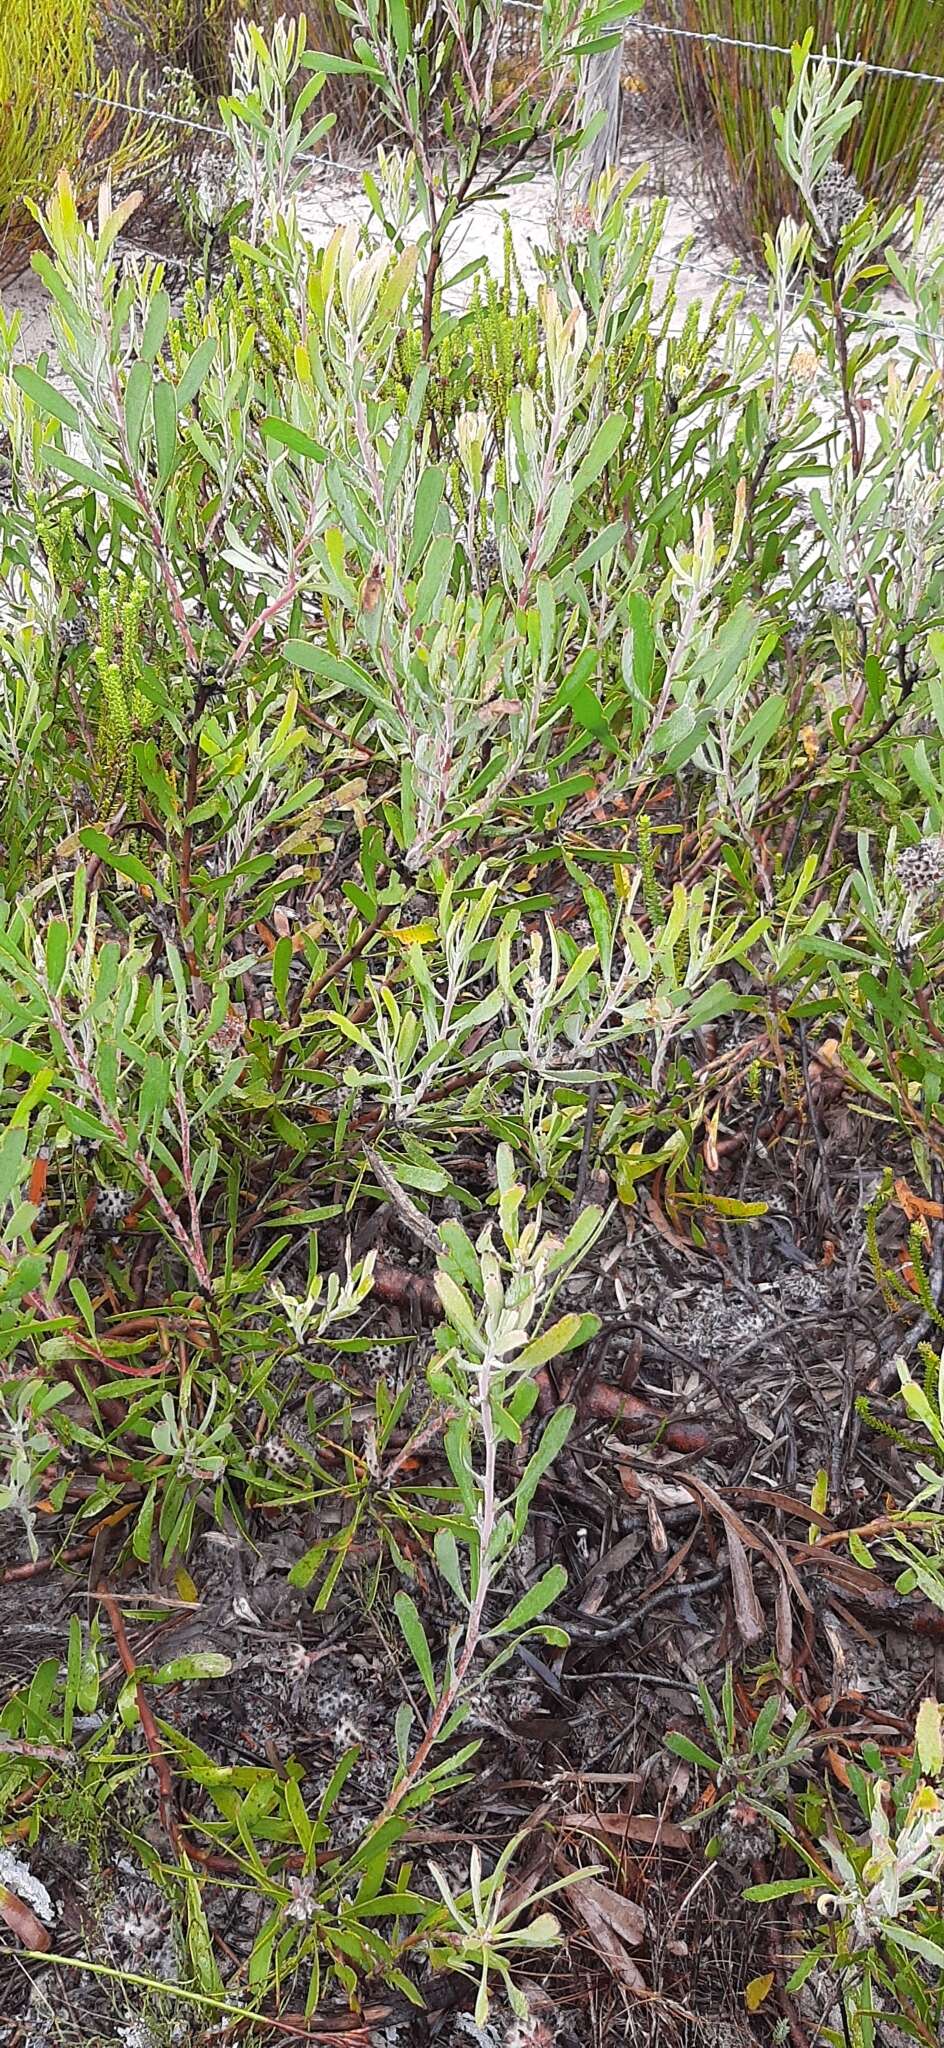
(324, 161)
(305, 156)
(637, 26)
(634, 26)
(697, 35)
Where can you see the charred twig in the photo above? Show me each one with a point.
(582, 1632)
(869, 1598)
(831, 844)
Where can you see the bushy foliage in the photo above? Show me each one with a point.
(422, 797)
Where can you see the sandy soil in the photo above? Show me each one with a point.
(337, 195)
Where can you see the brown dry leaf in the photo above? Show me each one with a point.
(612, 1923)
(752, 1539)
(660, 1222)
(499, 707)
(662, 1490)
(748, 1612)
(657, 1537)
(22, 1921)
(783, 1625)
(774, 1497)
(372, 589)
(837, 1765)
(916, 1207)
(630, 1827)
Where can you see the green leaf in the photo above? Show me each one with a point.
(155, 326)
(760, 729)
(804, 1969)
(141, 1540)
(137, 396)
(403, 1722)
(286, 435)
(195, 371)
(763, 1726)
(689, 1751)
(437, 569)
(602, 448)
(325, 63)
(549, 1344)
(196, 1664)
(200, 1942)
(165, 429)
(127, 1703)
(542, 1594)
(12, 1150)
(552, 1441)
(319, 661)
(92, 479)
(302, 1823)
(446, 1552)
(57, 952)
(155, 1091)
(928, 1740)
(930, 1951)
(399, 20)
(780, 1888)
(337, 1780)
(281, 963)
(49, 400)
(123, 863)
(429, 492)
(407, 1614)
(458, 1311)
(83, 1302)
(640, 642)
(73, 1676)
(727, 1205)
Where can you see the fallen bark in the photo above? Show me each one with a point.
(870, 1599)
(407, 1289)
(610, 1404)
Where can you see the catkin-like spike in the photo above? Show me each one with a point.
(651, 895)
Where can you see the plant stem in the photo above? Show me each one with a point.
(323, 981)
(191, 1248)
(486, 1520)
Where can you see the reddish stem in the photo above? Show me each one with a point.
(165, 1785)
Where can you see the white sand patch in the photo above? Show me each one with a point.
(336, 196)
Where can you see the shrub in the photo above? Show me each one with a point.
(401, 789)
(727, 95)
